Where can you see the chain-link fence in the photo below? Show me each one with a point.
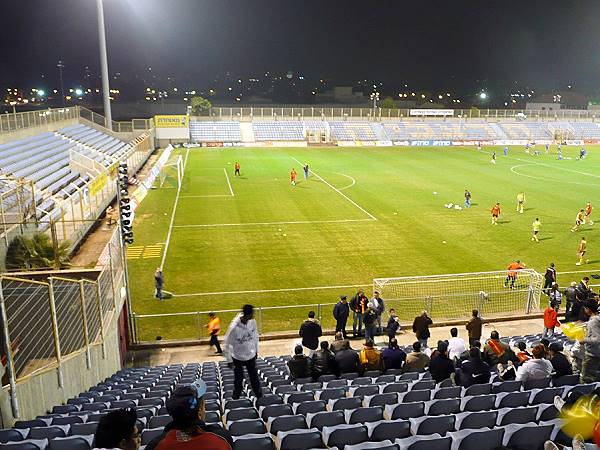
(48, 318)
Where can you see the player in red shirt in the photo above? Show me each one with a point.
(587, 213)
(293, 176)
(495, 213)
(237, 169)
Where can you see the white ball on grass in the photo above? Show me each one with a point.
(278, 229)
(444, 242)
(284, 234)
(435, 193)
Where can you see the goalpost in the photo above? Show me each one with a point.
(454, 296)
(171, 174)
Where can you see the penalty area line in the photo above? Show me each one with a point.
(289, 222)
(228, 182)
(339, 192)
(266, 291)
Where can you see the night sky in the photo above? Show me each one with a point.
(424, 43)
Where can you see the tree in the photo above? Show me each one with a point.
(388, 103)
(200, 106)
(36, 252)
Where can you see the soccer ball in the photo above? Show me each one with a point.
(435, 193)
(457, 207)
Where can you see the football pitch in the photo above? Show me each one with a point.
(363, 213)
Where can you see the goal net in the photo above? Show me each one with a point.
(171, 174)
(455, 296)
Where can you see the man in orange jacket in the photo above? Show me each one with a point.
(214, 328)
(550, 321)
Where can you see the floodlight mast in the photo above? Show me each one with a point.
(104, 65)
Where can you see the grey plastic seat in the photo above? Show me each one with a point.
(287, 423)
(298, 397)
(429, 442)
(546, 412)
(423, 384)
(337, 383)
(448, 392)
(241, 413)
(405, 410)
(384, 399)
(11, 435)
(71, 443)
(347, 403)
(159, 421)
(27, 444)
(275, 411)
(388, 429)
(507, 416)
(536, 384)
(545, 395)
(30, 423)
(312, 406)
(409, 376)
(478, 403)
(84, 428)
(269, 399)
(431, 425)
(150, 433)
(530, 436)
(48, 432)
(345, 434)
(381, 445)
(478, 389)
(364, 391)
(325, 419)
(253, 442)
(444, 406)
(239, 403)
(475, 420)
(331, 394)
(246, 426)
(388, 378)
(512, 399)
(300, 439)
(395, 387)
(66, 420)
(213, 417)
(477, 439)
(417, 396)
(566, 380)
(362, 415)
(361, 381)
(506, 386)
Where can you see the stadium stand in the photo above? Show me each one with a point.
(352, 131)
(205, 131)
(278, 131)
(526, 130)
(585, 130)
(395, 411)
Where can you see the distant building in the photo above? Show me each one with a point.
(557, 101)
(341, 94)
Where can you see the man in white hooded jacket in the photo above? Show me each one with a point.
(536, 368)
(241, 349)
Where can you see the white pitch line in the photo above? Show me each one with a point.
(347, 176)
(206, 196)
(291, 222)
(264, 291)
(513, 170)
(340, 192)
(168, 240)
(228, 182)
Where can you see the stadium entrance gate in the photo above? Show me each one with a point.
(455, 296)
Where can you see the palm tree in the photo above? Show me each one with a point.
(36, 252)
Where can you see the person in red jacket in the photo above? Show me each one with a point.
(550, 321)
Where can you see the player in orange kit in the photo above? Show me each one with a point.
(587, 213)
(237, 169)
(495, 213)
(511, 276)
(293, 176)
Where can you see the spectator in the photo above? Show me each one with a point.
(440, 366)
(310, 332)
(323, 362)
(159, 282)
(416, 361)
(466, 354)
(550, 321)
(456, 345)
(523, 355)
(555, 297)
(358, 304)
(421, 328)
(577, 352)
(339, 343)
(570, 297)
(370, 322)
(474, 327)
(393, 325)
(496, 352)
(370, 357)
(379, 307)
(300, 365)
(341, 311)
(347, 360)
(188, 430)
(549, 278)
(559, 361)
(582, 290)
(536, 368)
(590, 369)
(474, 370)
(241, 349)
(214, 328)
(118, 430)
(393, 356)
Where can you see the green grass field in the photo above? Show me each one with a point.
(364, 213)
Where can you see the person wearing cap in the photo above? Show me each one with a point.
(188, 430)
(241, 349)
(570, 298)
(590, 369)
(118, 430)
(559, 361)
(341, 312)
(370, 321)
(441, 366)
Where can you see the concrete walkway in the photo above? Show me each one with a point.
(200, 353)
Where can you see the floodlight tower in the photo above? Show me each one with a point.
(104, 65)
(375, 97)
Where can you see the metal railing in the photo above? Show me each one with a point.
(368, 114)
(48, 319)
